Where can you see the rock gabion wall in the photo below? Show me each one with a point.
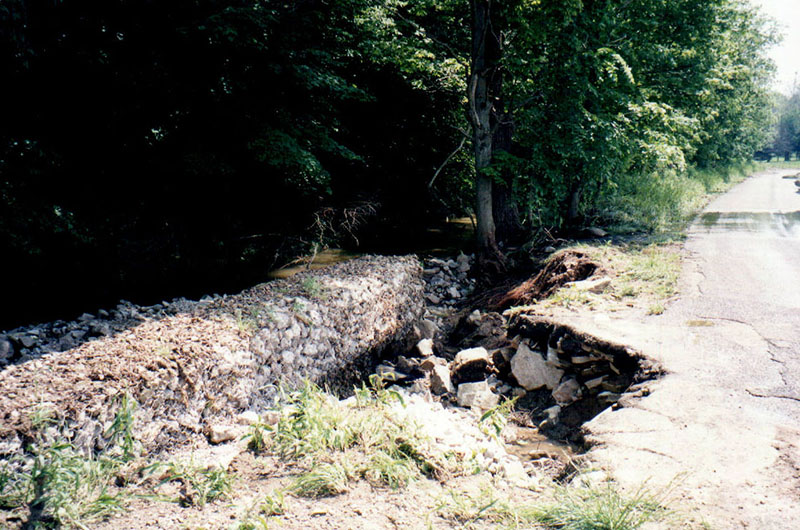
(190, 364)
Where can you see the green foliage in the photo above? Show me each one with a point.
(258, 437)
(313, 287)
(325, 479)
(297, 110)
(62, 486)
(120, 432)
(600, 507)
(341, 442)
(494, 420)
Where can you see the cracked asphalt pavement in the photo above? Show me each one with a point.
(722, 428)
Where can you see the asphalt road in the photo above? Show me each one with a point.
(722, 428)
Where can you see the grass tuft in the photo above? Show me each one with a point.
(325, 479)
(338, 442)
(199, 485)
(600, 507)
(57, 484)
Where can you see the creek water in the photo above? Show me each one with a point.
(447, 238)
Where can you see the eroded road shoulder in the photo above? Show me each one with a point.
(723, 427)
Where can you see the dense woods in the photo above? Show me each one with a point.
(150, 149)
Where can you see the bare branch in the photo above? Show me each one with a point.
(447, 160)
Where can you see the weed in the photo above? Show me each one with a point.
(495, 419)
(655, 309)
(256, 517)
(313, 288)
(600, 507)
(469, 509)
(14, 485)
(68, 488)
(274, 504)
(60, 485)
(258, 436)
(251, 522)
(315, 423)
(247, 323)
(569, 296)
(396, 472)
(42, 416)
(120, 432)
(325, 479)
(362, 437)
(200, 486)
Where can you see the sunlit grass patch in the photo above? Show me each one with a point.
(338, 442)
(600, 507)
(642, 275)
(577, 506)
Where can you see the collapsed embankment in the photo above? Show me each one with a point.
(194, 363)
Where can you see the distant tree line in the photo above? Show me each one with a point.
(159, 148)
(784, 142)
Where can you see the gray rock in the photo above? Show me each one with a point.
(433, 299)
(596, 232)
(597, 285)
(406, 365)
(6, 349)
(98, 327)
(287, 357)
(27, 341)
(463, 263)
(428, 364)
(567, 392)
(218, 434)
(531, 371)
(247, 417)
(470, 365)
(428, 329)
(440, 380)
(608, 397)
(597, 381)
(454, 292)
(476, 395)
(425, 347)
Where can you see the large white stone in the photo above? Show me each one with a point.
(596, 285)
(440, 380)
(531, 371)
(477, 395)
(425, 347)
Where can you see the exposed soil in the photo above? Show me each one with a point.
(563, 267)
(421, 505)
(544, 443)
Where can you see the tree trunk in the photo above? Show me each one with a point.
(506, 212)
(574, 203)
(484, 64)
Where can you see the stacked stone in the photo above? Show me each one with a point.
(209, 360)
(446, 281)
(581, 374)
(31, 342)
